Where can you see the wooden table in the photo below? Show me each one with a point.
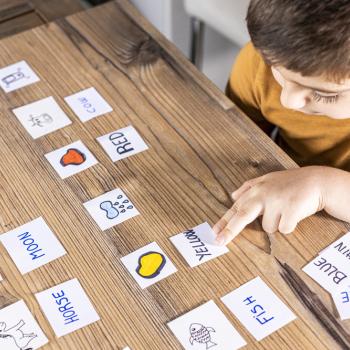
(201, 149)
(19, 15)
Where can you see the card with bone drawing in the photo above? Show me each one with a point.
(18, 328)
(111, 209)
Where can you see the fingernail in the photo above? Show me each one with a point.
(220, 240)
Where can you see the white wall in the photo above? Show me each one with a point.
(171, 19)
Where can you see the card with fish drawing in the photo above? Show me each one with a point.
(16, 76)
(197, 245)
(41, 117)
(111, 209)
(206, 327)
(148, 265)
(19, 329)
(71, 159)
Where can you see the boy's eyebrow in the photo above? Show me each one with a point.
(321, 90)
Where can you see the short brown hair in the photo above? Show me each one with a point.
(310, 37)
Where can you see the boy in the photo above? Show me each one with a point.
(295, 75)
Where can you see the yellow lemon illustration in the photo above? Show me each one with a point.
(150, 264)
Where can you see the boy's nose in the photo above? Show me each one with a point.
(293, 97)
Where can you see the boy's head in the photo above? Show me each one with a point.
(307, 44)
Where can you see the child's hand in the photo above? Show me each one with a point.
(283, 198)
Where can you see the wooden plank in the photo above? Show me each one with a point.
(20, 23)
(53, 9)
(14, 8)
(200, 151)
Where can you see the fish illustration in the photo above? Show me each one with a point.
(201, 334)
(21, 339)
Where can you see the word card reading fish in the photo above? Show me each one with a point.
(206, 327)
(71, 159)
(111, 209)
(122, 143)
(258, 308)
(341, 300)
(330, 270)
(148, 265)
(67, 307)
(16, 76)
(18, 328)
(42, 117)
(88, 104)
(32, 245)
(197, 245)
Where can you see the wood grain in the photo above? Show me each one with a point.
(19, 15)
(201, 149)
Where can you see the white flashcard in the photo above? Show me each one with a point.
(16, 76)
(19, 329)
(88, 104)
(71, 159)
(341, 300)
(67, 307)
(111, 208)
(148, 265)
(197, 245)
(258, 308)
(330, 270)
(42, 117)
(206, 327)
(32, 245)
(122, 143)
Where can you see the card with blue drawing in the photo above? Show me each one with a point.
(32, 245)
(197, 245)
(71, 159)
(42, 117)
(206, 327)
(67, 307)
(122, 143)
(258, 308)
(16, 76)
(111, 208)
(148, 265)
(19, 329)
(88, 104)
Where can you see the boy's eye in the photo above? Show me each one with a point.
(325, 99)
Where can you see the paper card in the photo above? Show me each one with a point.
(88, 104)
(197, 245)
(19, 329)
(71, 159)
(258, 308)
(341, 300)
(67, 307)
(148, 265)
(111, 209)
(32, 245)
(204, 328)
(41, 117)
(16, 76)
(122, 143)
(330, 270)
